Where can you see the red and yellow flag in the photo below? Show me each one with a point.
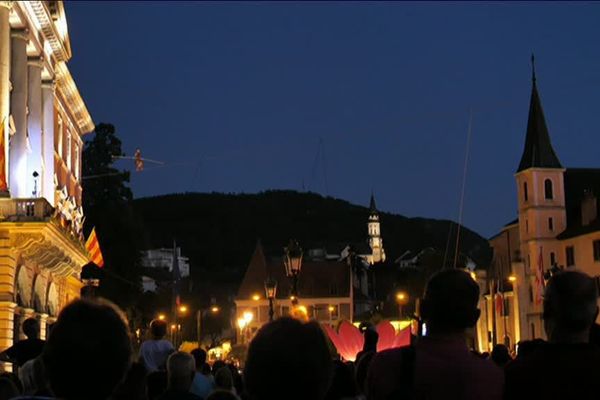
(93, 247)
(3, 180)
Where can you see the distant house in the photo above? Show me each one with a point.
(324, 288)
(157, 267)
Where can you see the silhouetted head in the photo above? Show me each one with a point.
(570, 306)
(31, 328)
(156, 384)
(288, 359)
(181, 370)
(199, 358)
(343, 384)
(158, 329)
(500, 355)
(371, 339)
(450, 302)
(8, 389)
(224, 379)
(88, 351)
(217, 365)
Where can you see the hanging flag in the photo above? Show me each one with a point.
(539, 278)
(93, 247)
(139, 161)
(3, 183)
(500, 304)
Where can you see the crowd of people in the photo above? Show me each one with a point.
(88, 355)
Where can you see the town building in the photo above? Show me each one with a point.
(557, 227)
(42, 121)
(334, 283)
(157, 267)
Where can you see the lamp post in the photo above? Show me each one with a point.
(402, 299)
(213, 309)
(271, 292)
(293, 264)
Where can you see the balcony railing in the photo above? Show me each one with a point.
(22, 210)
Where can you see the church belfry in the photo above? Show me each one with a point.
(374, 227)
(541, 197)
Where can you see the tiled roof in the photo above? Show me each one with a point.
(316, 279)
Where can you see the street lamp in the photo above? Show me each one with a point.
(293, 264)
(271, 292)
(402, 299)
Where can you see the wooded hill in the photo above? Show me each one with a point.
(218, 232)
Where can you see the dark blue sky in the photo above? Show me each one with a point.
(236, 97)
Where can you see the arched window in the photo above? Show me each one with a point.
(525, 193)
(548, 190)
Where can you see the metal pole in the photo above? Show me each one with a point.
(199, 327)
(271, 312)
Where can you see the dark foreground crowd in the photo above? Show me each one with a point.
(88, 355)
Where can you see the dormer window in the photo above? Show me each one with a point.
(548, 190)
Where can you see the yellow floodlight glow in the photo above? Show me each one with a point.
(255, 297)
(331, 308)
(512, 278)
(162, 317)
(214, 309)
(183, 309)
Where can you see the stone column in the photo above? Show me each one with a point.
(47, 181)
(43, 318)
(7, 314)
(25, 313)
(4, 92)
(18, 105)
(34, 126)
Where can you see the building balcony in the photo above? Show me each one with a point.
(25, 210)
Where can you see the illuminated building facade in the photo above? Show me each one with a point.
(325, 292)
(42, 121)
(557, 228)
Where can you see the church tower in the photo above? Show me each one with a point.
(375, 241)
(541, 202)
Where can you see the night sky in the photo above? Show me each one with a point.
(341, 98)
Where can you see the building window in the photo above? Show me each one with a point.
(596, 245)
(548, 190)
(551, 223)
(552, 259)
(570, 256)
(525, 193)
(334, 312)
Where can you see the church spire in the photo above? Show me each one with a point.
(372, 205)
(538, 151)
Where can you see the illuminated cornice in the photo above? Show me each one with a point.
(43, 21)
(75, 105)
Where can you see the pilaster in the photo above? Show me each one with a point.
(7, 313)
(43, 318)
(7, 268)
(18, 107)
(4, 92)
(47, 174)
(34, 126)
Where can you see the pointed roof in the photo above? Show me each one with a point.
(372, 205)
(255, 274)
(538, 152)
